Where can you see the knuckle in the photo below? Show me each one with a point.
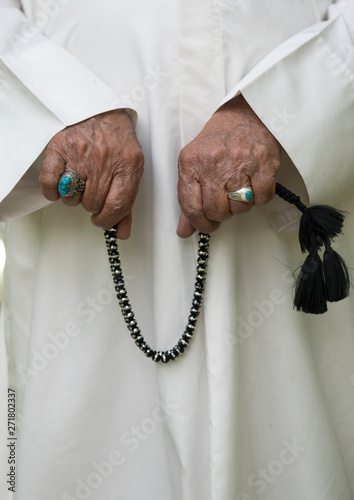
(274, 165)
(190, 156)
(137, 156)
(133, 160)
(187, 157)
(54, 144)
(79, 142)
(262, 153)
(212, 156)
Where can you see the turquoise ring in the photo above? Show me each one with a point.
(244, 194)
(70, 184)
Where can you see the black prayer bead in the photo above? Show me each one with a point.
(165, 357)
(176, 352)
(172, 355)
(135, 333)
(144, 347)
(179, 349)
(156, 357)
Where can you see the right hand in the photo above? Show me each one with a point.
(104, 152)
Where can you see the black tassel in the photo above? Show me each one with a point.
(336, 276)
(319, 225)
(310, 294)
(317, 282)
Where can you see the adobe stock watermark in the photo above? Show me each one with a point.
(263, 309)
(260, 480)
(152, 79)
(47, 9)
(342, 57)
(129, 442)
(283, 117)
(346, 53)
(87, 311)
(229, 5)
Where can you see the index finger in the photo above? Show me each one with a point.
(49, 177)
(117, 205)
(191, 202)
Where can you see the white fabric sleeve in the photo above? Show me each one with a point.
(41, 80)
(303, 91)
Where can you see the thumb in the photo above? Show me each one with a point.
(184, 228)
(124, 227)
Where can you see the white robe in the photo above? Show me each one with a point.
(262, 403)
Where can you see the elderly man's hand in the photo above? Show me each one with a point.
(233, 150)
(105, 153)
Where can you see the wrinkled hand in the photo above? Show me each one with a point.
(233, 150)
(105, 153)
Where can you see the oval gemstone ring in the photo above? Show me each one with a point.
(70, 184)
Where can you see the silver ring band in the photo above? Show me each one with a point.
(244, 194)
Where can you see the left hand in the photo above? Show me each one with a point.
(233, 150)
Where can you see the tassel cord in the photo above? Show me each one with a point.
(290, 197)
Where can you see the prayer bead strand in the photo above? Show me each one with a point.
(126, 308)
